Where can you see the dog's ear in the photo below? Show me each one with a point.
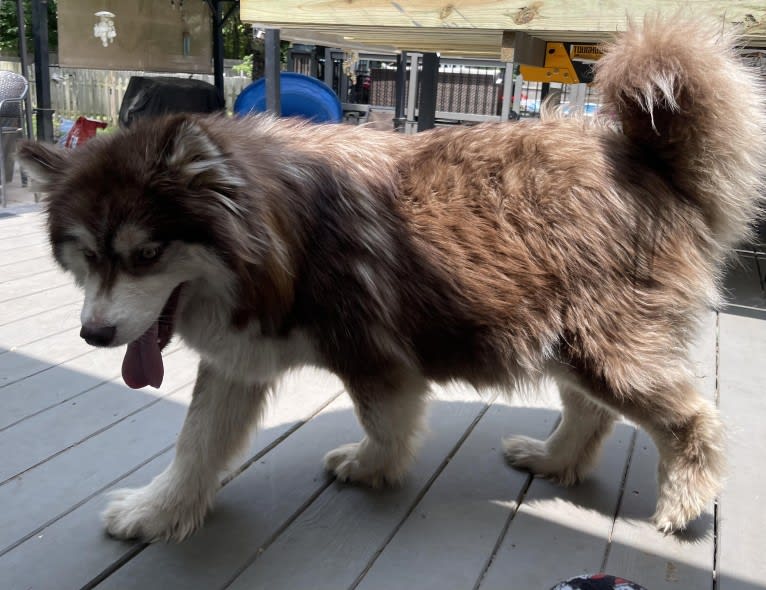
(196, 158)
(193, 158)
(45, 164)
(258, 256)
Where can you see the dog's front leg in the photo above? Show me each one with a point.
(391, 411)
(174, 504)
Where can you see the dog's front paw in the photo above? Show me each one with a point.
(150, 515)
(529, 454)
(362, 463)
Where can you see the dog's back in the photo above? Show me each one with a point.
(571, 235)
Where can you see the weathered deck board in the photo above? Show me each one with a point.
(10, 236)
(27, 286)
(11, 270)
(42, 563)
(31, 305)
(265, 493)
(31, 239)
(455, 527)
(51, 489)
(59, 383)
(20, 224)
(249, 510)
(559, 532)
(743, 293)
(638, 551)
(30, 284)
(19, 234)
(351, 523)
(742, 523)
(44, 325)
(32, 441)
(30, 359)
(24, 254)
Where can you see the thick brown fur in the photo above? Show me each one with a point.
(588, 249)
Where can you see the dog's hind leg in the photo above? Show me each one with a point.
(571, 451)
(174, 504)
(688, 434)
(391, 412)
(660, 396)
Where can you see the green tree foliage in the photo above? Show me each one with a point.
(9, 30)
(252, 64)
(237, 37)
(239, 43)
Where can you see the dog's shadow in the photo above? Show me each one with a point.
(461, 486)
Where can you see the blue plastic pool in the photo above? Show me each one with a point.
(301, 96)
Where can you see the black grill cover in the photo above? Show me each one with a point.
(150, 97)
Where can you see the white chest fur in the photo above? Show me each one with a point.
(243, 354)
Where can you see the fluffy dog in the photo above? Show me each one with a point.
(583, 249)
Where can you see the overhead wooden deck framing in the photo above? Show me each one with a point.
(474, 28)
(70, 431)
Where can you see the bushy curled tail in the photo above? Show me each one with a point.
(691, 105)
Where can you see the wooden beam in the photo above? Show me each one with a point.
(482, 21)
(508, 46)
(527, 49)
(489, 14)
(473, 43)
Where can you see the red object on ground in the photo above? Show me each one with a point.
(82, 130)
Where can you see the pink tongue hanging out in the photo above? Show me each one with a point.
(142, 364)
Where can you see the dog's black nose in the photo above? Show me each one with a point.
(98, 335)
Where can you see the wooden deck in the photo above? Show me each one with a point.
(71, 431)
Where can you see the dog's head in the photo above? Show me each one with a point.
(138, 215)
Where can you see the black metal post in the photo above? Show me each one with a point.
(400, 94)
(24, 64)
(544, 90)
(315, 62)
(216, 7)
(429, 78)
(22, 26)
(272, 55)
(44, 112)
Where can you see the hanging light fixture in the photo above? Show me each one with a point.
(104, 28)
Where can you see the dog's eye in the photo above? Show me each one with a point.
(89, 254)
(149, 253)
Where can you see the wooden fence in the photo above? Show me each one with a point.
(99, 93)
